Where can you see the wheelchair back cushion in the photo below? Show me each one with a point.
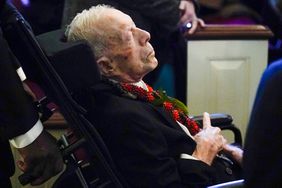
(74, 61)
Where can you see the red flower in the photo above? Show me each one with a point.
(169, 105)
(150, 89)
(175, 115)
(150, 97)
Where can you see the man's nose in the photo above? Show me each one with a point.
(144, 36)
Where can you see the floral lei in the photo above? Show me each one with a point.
(174, 107)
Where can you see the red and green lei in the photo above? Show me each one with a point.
(174, 107)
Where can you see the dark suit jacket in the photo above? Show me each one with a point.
(17, 113)
(146, 143)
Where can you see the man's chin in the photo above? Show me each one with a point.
(150, 66)
(153, 61)
(156, 63)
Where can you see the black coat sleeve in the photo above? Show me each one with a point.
(17, 112)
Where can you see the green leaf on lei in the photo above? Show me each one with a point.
(162, 97)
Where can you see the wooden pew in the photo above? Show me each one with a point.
(225, 63)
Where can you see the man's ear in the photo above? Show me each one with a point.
(105, 65)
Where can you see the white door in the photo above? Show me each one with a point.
(223, 76)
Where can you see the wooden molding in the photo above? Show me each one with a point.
(56, 121)
(220, 32)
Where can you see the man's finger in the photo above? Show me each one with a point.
(21, 165)
(202, 23)
(194, 26)
(206, 120)
(181, 6)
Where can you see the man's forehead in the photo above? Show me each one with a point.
(114, 25)
(116, 17)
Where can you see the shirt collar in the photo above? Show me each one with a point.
(141, 84)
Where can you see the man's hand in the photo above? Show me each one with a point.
(209, 141)
(41, 159)
(188, 14)
(235, 152)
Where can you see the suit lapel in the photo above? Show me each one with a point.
(160, 110)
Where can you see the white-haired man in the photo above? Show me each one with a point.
(151, 139)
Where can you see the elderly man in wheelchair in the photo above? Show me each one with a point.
(150, 137)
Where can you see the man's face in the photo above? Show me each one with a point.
(131, 54)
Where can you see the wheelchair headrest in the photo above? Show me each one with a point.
(74, 61)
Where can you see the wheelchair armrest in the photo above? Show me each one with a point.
(231, 184)
(224, 122)
(218, 119)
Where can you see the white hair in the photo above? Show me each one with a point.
(85, 26)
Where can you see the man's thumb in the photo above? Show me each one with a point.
(206, 120)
